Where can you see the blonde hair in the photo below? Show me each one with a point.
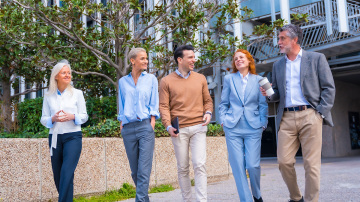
(134, 52)
(53, 86)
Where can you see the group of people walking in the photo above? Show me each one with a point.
(302, 83)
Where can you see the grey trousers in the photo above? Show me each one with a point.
(139, 141)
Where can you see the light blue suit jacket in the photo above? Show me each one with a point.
(254, 106)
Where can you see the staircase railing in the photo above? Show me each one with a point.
(315, 33)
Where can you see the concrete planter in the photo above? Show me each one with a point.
(26, 175)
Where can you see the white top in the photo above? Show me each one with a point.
(244, 81)
(294, 96)
(73, 103)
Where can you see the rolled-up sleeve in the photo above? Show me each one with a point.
(154, 99)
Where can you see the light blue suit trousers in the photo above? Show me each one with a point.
(243, 118)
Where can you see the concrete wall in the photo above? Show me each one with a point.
(336, 140)
(26, 175)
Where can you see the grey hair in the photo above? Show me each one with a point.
(55, 71)
(134, 52)
(64, 61)
(293, 31)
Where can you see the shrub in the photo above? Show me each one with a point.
(215, 130)
(28, 116)
(160, 130)
(102, 120)
(100, 109)
(40, 134)
(106, 128)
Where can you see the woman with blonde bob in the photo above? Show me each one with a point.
(243, 114)
(63, 112)
(138, 109)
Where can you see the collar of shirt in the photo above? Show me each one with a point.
(142, 73)
(178, 72)
(59, 93)
(299, 55)
(244, 77)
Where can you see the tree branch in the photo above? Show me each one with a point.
(96, 73)
(27, 91)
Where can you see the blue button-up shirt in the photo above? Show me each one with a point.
(140, 101)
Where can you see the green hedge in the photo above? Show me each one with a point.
(28, 116)
(102, 120)
(100, 109)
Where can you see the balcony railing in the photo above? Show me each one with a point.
(314, 31)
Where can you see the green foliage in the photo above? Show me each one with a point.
(100, 109)
(162, 188)
(106, 128)
(102, 120)
(215, 130)
(297, 18)
(160, 130)
(127, 191)
(28, 116)
(41, 134)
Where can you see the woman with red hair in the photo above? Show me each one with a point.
(243, 115)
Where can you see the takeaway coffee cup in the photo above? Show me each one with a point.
(265, 84)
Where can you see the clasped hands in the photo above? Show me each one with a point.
(62, 116)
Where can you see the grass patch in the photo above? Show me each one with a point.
(127, 191)
(161, 188)
(192, 182)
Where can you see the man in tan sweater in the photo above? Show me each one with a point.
(184, 94)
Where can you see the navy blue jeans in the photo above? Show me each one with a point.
(64, 161)
(139, 141)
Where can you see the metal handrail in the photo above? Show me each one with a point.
(314, 31)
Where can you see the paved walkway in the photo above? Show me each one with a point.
(340, 181)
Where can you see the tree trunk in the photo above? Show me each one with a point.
(6, 101)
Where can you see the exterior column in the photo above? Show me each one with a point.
(238, 28)
(273, 18)
(22, 88)
(285, 11)
(342, 16)
(33, 94)
(328, 15)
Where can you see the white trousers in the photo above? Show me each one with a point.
(193, 137)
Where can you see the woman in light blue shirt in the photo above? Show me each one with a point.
(63, 112)
(138, 109)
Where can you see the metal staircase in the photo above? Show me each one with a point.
(315, 32)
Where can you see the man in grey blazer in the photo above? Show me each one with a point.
(304, 86)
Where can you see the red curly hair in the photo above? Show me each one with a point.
(252, 68)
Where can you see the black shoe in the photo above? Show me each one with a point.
(301, 200)
(258, 200)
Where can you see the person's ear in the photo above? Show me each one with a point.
(132, 60)
(179, 59)
(296, 39)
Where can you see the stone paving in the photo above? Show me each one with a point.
(340, 181)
